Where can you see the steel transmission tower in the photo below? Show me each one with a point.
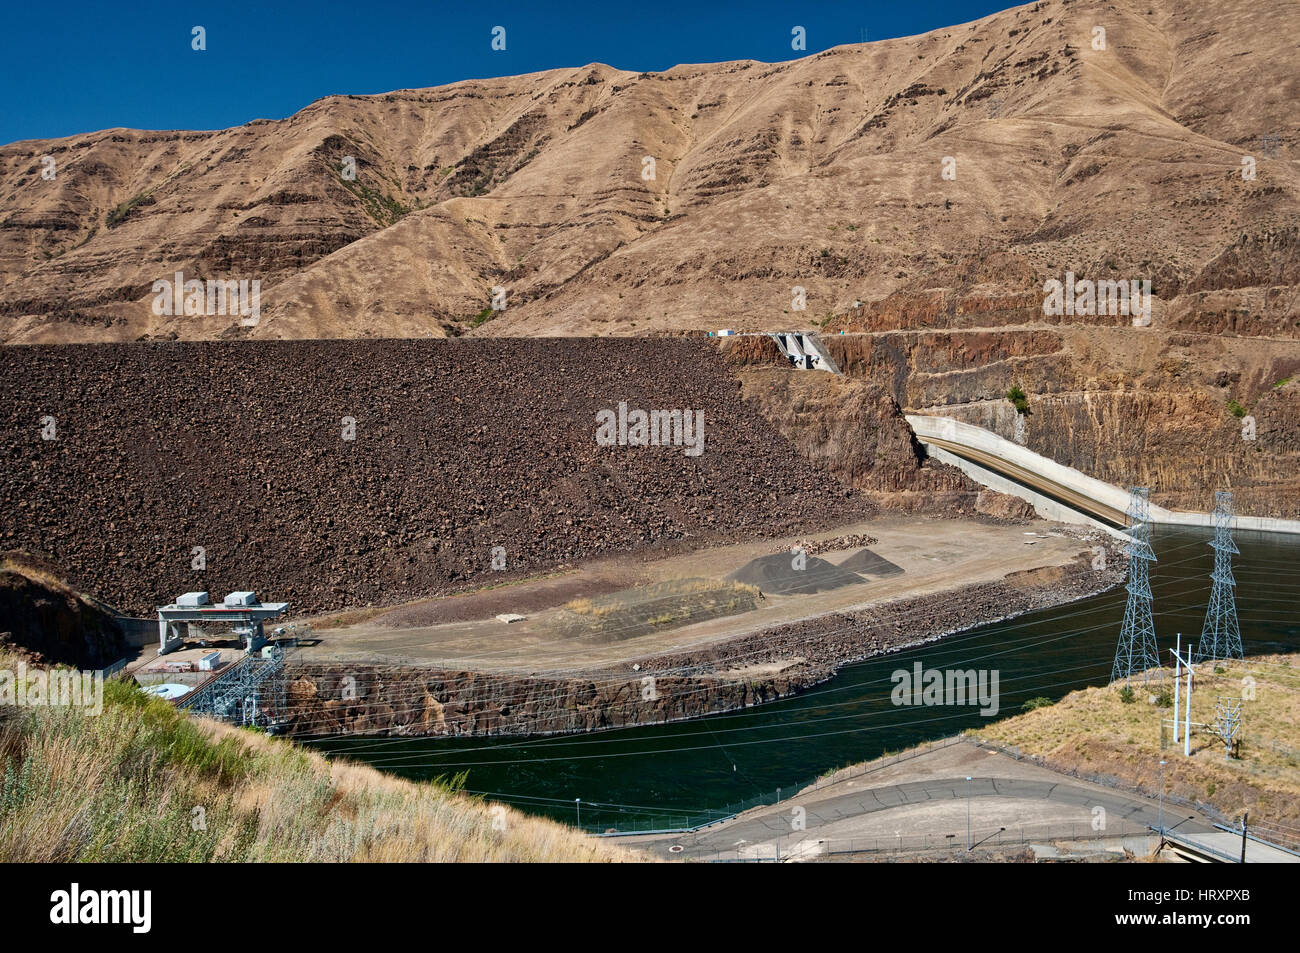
(1137, 652)
(1221, 635)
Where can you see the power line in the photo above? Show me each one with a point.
(902, 654)
(948, 640)
(565, 741)
(1221, 634)
(1137, 650)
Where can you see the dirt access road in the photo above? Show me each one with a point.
(935, 556)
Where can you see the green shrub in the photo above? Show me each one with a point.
(119, 214)
(1042, 701)
(1019, 399)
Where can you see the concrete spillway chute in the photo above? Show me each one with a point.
(804, 349)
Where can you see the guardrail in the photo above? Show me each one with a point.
(111, 670)
(1217, 817)
(1184, 844)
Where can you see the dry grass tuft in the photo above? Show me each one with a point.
(668, 604)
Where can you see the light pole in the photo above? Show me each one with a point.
(968, 813)
(778, 829)
(578, 803)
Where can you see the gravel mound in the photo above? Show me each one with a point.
(867, 563)
(776, 575)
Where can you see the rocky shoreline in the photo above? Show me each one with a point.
(341, 698)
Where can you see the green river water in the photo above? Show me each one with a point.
(687, 772)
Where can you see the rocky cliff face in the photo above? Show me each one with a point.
(1182, 445)
(1180, 411)
(324, 699)
(855, 430)
(47, 622)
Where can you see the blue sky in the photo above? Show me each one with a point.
(79, 66)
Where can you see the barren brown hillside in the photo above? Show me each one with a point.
(823, 172)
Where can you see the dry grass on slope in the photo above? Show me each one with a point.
(1095, 732)
(141, 782)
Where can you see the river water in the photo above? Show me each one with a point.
(671, 775)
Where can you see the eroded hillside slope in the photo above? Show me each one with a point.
(825, 172)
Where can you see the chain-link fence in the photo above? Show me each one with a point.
(621, 819)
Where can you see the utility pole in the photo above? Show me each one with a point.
(1244, 818)
(1227, 721)
(1178, 674)
(968, 813)
(1187, 702)
(778, 829)
(1162, 801)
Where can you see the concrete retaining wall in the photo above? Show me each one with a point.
(139, 632)
(1044, 506)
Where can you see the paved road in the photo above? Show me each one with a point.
(1062, 808)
